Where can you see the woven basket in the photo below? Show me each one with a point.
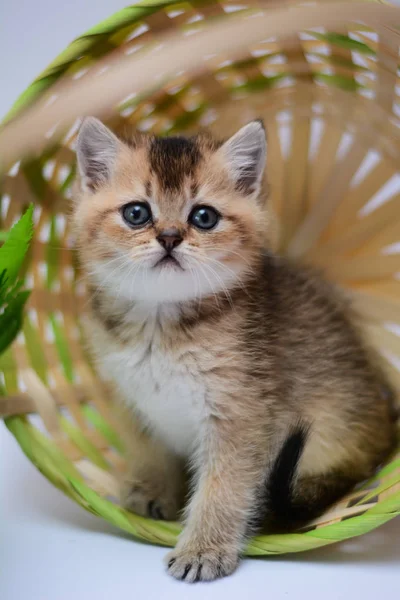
(324, 76)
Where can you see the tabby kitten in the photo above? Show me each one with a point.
(238, 365)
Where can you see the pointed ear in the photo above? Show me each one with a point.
(245, 154)
(97, 150)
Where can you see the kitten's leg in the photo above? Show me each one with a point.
(154, 483)
(230, 472)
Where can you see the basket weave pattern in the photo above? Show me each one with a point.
(330, 96)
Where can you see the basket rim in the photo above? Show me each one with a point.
(96, 95)
(50, 461)
(122, 18)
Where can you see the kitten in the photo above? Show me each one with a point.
(237, 364)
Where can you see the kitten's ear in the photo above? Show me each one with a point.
(245, 154)
(97, 150)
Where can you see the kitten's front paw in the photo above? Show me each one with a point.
(144, 501)
(201, 565)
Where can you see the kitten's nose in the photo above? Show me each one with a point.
(169, 239)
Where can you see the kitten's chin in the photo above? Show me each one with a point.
(168, 283)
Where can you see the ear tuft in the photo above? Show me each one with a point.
(245, 154)
(97, 150)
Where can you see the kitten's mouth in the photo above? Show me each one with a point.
(168, 260)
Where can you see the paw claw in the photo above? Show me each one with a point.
(186, 571)
(192, 566)
(198, 574)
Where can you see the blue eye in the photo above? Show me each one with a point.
(136, 214)
(204, 217)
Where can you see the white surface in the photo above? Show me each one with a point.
(50, 548)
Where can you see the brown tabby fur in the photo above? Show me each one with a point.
(275, 350)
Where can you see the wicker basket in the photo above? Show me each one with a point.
(324, 76)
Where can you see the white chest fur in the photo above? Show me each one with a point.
(165, 388)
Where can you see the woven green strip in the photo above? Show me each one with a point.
(344, 41)
(61, 472)
(341, 81)
(63, 349)
(94, 417)
(52, 254)
(88, 449)
(9, 369)
(33, 345)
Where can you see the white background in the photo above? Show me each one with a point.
(50, 548)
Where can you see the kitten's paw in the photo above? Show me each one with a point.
(201, 565)
(143, 500)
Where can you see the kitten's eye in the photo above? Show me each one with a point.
(136, 214)
(204, 217)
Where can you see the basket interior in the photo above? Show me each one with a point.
(330, 104)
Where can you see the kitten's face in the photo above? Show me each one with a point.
(172, 219)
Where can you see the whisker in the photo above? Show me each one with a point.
(135, 268)
(224, 289)
(107, 264)
(102, 285)
(230, 251)
(223, 286)
(197, 288)
(224, 267)
(212, 289)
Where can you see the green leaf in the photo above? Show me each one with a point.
(13, 251)
(12, 299)
(3, 287)
(8, 294)
(11, 319)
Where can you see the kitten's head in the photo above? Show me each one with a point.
(169, 219)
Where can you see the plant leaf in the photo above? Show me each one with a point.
(14, 249)
(11, 319)
(3, 287)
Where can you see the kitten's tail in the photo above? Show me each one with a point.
(294, 500)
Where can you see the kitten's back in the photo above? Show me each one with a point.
(327, 377)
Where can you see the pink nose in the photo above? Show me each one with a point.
(169, 239)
